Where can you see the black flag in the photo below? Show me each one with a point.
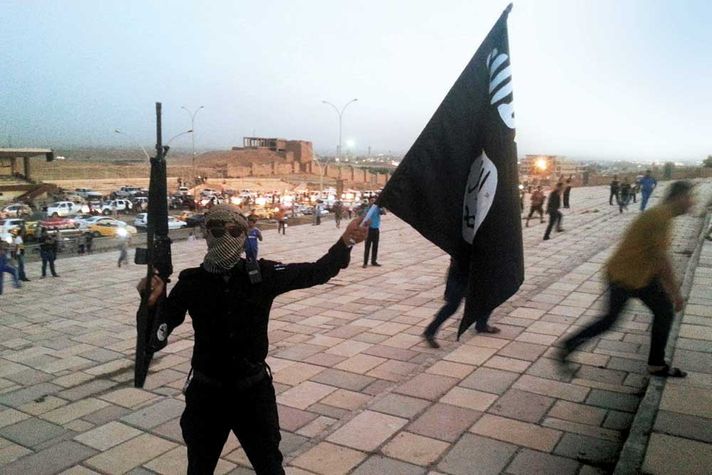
(458, 184)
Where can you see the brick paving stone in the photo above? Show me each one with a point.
(176, 461)
(552, 388)
(343, 379)
(472, 355)
(667, 454)
(32, 432)
(346, 399)
(393, 370)
(583, 429)
(522, 351)
(296, 373)
(400, 405)
(11, 453)
(613, 400)
(448, 368)
(415, 448)
(444, 422)
(305, 394)
(580, 413)
(427, 386)
(51, 460)
(316, 427)
(292, 419)
(75, 410)
(530, 461)
(130, 454)
(469, 398)
(378, 465)
(107, 436)
(151, 416)
(474, 454)
(617, 420)
(367, 430)
(11, 416)
(588, 449)
(683, 425)
(522, 405)
(128, 397)
(507, 364)
(490, 380)
(329, 459)
(25, 395)
(516, 432)
(687, 400)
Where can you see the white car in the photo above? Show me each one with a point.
(84, 222)
(116, 205)
(65, 208)
(88, 193)
(17, 209)
(141, 221)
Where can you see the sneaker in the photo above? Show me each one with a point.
(365, 265)
(55, 275)
(488, 329)
(375, 264)
(546, 238)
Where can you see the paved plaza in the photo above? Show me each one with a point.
(358, 390)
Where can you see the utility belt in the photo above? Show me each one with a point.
(241, 384)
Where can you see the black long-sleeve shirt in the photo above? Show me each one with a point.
(554, 203)
(230, 316)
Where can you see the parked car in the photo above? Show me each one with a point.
(88, 193)
(140, 202)
(141, 221)
(113, 228)
(195, 220)
(11, 225)
(126, 191)
(17, 210)
(120, 206)
(65, 208)
(184, 190)
(66, 227)
(182, 202)
(87, 220)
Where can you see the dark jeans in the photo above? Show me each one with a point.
(623, 202)
(613, 194)
(555, 218)
(21, 266)
(538, 209)
(567, 194)
(371, 242)
(654, 297)
(447, 311)
(13, 272)
(644, 197)
(47, 258)
(211, 413)
(282, 227)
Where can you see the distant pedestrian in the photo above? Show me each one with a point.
(281, 221)
(455, 289)
(552, 209)
(253, 236)
(641, 268)
(88, 241)
(615, 185)
(567, 192)
(19, 254)
(48, 252)
(374, 233)
(6, 267)
(338, 209)
(647, 185)
(124, 251)
(317, 213)
(624, 195)
(81, 244)
(536, 204)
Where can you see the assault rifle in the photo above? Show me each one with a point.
(151, 328)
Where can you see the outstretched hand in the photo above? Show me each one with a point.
(157, 286)
(355, 233)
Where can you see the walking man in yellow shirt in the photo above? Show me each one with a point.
(641, 268)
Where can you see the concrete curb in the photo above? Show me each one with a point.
(633, 453)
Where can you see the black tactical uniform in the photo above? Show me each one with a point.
(231, 388)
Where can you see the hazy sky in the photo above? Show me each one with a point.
(592, 79)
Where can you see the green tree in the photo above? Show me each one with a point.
(708, 162)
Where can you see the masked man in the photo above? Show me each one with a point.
(229, 300)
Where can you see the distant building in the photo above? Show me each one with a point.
(549, 167)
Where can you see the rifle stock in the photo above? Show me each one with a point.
(151, 329)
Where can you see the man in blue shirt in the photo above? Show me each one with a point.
(374, 231)
(647, 185)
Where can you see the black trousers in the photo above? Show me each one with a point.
(48, 258)
(371, 242)
(614, 193)
(555, 218)
(536, 209)
(567, 195)
(212, 412)
(282, 227)
(654, 297)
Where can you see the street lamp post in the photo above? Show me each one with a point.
(117, 131)
(341, 115)
(192, 128)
